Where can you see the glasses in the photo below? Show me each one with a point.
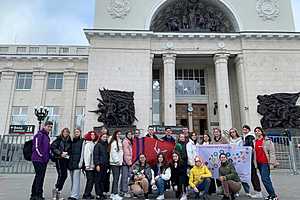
(197, 160)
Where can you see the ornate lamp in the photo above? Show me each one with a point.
(41, 113)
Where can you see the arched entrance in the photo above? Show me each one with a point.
(194, 16)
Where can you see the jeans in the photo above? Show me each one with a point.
(90, 181)
(160, 183)
(38, 182)
(204, 185)
(116, 176)
(124, 178)
(100, 181)
(75, 183)
(62, 172)
(264, 171)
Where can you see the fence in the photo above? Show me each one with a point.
(12, 160)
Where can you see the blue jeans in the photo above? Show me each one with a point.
(160, 183)
(204, 185)
(264, 171)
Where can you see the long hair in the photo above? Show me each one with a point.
(236, 132)
(126, 134)
(62, 133)
(262, 131)
(209, 138)
(114, 138)
(179, 160)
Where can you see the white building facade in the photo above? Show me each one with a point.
(194, 63)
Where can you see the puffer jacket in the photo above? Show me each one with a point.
(227, 169)
(76, 154)
(60, 145)
(116, 154)
(88, 155)
(101, 154)
(127, 152)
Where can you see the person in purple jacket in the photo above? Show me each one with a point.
(40, 157)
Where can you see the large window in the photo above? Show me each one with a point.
(55, 81)
(19, 115)
(24, 81)
(156, 98)
(53, 116)
(79, 117)
(190, 82)
(82, 81)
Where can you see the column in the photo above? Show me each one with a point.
(223, 95)
(7, 88)
(169, 90)
(241, 81)
(70, 87)
(151, 89)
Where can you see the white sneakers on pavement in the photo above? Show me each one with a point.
(161, 197)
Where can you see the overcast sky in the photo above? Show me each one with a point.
(55, 21)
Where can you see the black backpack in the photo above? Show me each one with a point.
(27, 150)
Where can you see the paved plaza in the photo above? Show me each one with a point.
(17, 186)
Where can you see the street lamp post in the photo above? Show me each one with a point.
(41, 113)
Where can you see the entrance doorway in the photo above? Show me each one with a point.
(198, 117)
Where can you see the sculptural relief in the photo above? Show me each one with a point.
(267, 9)
(119, 8)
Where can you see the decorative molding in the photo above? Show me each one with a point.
(118, 8)
(267, 9)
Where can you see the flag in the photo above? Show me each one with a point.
(151, 148)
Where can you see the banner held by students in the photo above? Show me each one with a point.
(239, 156)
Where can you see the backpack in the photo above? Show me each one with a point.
(27, 150)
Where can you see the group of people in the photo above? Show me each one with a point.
(100, 155)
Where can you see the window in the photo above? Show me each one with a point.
(21, 49)
(81, 51)
(82, 81)
(19, 115)
(24, 81)
(64, 50)
(3, 49)
(190, 82)
(34, 49)
(55, 81)
(79, 117)
(53, 116)
(51, 50)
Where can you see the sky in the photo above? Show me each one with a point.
(56, 21)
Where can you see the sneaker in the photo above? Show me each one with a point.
(118, 197)
(54, 193)
(275, 198)
(248, 195)
(183, 197)
(205, 197)
(161, 197)
(59, 196)
(232, 196)
(257, 195)
(127, 195)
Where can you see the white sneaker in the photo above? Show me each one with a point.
(127, 195)
(112, 196)
(118, 197)
(183, 197)
(161, 197)
(257, 195)
(249, 195)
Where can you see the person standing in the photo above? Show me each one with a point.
(101, 161)
(115, 160)
(265, 159)
(229, 178)
(218, 138)
(168, 135)
(191, 149)
(234, 138)
(199, 178)
(180, 147)
(61, 147)
(185, 132)
(40, 158)
(90, 142)
(206, 139)
(127, 162)
(75, 164)
(249, 140)
(151, 133)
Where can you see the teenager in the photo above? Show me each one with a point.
(115, 161)
(178, 176)
(90, 142)
(199, 178)
(234, 138)
(180, 147)
(75, 163)
(127, 162)
(142, 177)
(218, 138)
(206, 139)
(249, 140)
(191, 149)
(229, 178)
(162, 175)
(40, 158)
(101, 161)
(151, 133)
(61, 148)
(265, 159)
(168, 135)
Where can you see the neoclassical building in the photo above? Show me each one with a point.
(195, 63)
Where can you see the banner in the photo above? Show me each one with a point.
(239, 156)
(151, 147)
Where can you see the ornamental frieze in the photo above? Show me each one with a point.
(267, 9)
(119, 8)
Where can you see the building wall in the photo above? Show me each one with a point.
(141, 12)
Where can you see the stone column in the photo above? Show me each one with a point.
(223, 94)
(151, 88)
(70, 87)
(241, 81)
(169, 90)
(7, 88)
